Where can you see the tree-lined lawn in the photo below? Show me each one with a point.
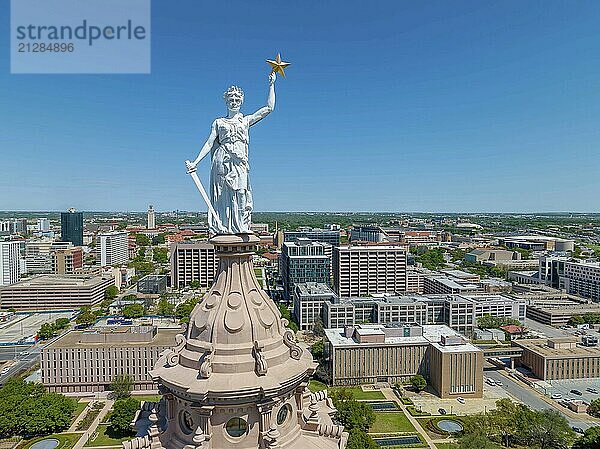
(104, 438)
(391, 422)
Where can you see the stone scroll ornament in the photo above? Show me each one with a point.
(173, 354)
(290, 341)
(230, 204)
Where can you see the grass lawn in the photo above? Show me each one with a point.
(147, 397)
(80, 407)
(391, 422)
(315, 385)
(102, 439)
(65, 440)
(446, 445)
(361, 395)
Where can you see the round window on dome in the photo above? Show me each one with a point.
(283, 414)
(236, 427)
(186, 422)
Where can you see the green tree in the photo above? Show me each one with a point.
(546, 429)
(318, 328)
(285, 313)
(165, 308)
(505, 419)
(594, 408)
(158, 239)
(133, 311)
(121, 386)
(159, 255)
(358, 439)
(27, 410)
(353, 415)
(86, 317)
(432, 259)
(47, 331)
(589, 440)
(418, 382)
(142, 240)
(123, 413)
(184, 309)
(317, 350)
(476, 441)
(62, 323)
(195, 284)
(111, 292)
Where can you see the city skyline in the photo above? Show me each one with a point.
(463, 107)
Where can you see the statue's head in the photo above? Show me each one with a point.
(234, 98)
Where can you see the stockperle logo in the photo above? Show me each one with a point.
(80, 36)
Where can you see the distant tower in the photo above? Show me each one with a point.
(151, 218)
(9, 262)
(43, 225)
(71, 227)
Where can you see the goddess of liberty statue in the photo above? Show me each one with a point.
(230, 203)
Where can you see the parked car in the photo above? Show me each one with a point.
(460, 399)
(592, 390)
(556, 396)
(442, 411)
(498, 383)
(490, 381)
(577, 392)
(577, 429)
(4, 371)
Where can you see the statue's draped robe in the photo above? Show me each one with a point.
(231, 194)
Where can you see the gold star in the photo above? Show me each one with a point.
(278, 65)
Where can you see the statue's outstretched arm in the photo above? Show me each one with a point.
(205, 148)
(265, 110)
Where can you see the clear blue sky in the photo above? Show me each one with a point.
(388, 106)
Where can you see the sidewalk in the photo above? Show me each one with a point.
(389, 394)
(73, 427)
(86, 435)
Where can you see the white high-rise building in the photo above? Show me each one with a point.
(9, 262)
(151, 218)
(43, 225)
(112, 248)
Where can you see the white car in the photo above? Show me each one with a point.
(460, 399)
(4, 371)
(490, 381)
(498, 383)
(556, 396)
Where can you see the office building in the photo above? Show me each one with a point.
(193, 261)
(340, 314)
(43, 225)
(368, 234)
(304, 261)
(309, 298)
(48, 291)
(489, 254)
(112, 248)
(67, 261)
(415, 280)
(332, 237)
(537, 243)
(71, 227)
(375, 353)
(559, 312)
(560, 358)
(151, 223)
(89, 360)
(10, 255)
(451, 282)
(552, 269)
(583, 279)
(152, 284)
(362, 270)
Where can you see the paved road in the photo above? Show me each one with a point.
(549, 331)
(29, 358)
(530, 397)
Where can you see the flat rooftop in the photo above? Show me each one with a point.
(57, 281)
(432, 334)
(540, 346)
(314, 288)
(72, 339)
